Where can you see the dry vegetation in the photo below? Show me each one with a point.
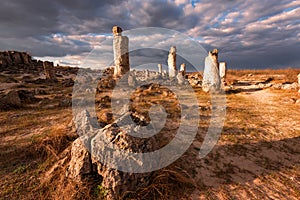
(257, 156)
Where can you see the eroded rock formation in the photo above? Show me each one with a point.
(88, 151)
(10, 58)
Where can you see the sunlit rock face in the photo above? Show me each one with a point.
(211, 78)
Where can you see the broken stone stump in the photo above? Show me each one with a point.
(172, 62)
(121, 55)
(180, 78)
(182, 69)
(211, 77)
(49, 71)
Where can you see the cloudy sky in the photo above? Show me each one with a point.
(249, 34)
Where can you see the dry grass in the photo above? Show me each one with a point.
(165, 184)
(31, 143)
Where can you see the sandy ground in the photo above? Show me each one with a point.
(264, 161)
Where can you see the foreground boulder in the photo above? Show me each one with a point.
(91, 154)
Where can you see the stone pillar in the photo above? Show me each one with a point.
(147, 73)
(159, 68)
(211, 77)
(49, 71)
(121, 54)
(222, 71)
(182, 69)
(172, 62)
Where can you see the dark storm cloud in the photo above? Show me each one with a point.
(248, 33)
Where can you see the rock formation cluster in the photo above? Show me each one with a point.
(10, 58)
(22, 60)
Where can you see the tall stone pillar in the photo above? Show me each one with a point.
(222, 71)
(159, 68)
(49, 71)
(121, 54)
(211, 77)
(182, 69)
(172, 62)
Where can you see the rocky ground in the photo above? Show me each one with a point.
(256, 157)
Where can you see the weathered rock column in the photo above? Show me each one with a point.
(222, 71)
(49, 71)
(182, 69)
(172, 62)
(121, 54)
(159, 68)
(211, 77)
